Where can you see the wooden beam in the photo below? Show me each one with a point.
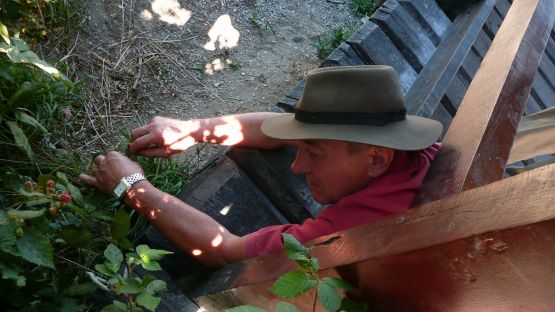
(456, 220)
(425, 94)
(477, 144)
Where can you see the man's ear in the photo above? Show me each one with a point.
(380, 159)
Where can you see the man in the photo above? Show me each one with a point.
(356, 147)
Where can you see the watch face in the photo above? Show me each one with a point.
(121, 188)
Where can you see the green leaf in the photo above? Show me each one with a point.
(21, 139)
(23, 95)
(76, 194)
(37, 202)
(81, 289)
(292, 284)
(105, 269)
(337, 283)
(62, 178)
(4, 33)
(11, 273)
(7, 236)
(147, 301)
(35, 247)
(119, 228)
(129, 286)
(149, 257)
(286, 307)
(155, 286)
(26, 214)
(24, 118)
(295, 250)
(353, 306)
(20, 44)
(76, 236)
(245, 308)
(116, 306)
(114, 256)
(329, 297)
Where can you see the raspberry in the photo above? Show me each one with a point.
(50, 183)
(65, 198)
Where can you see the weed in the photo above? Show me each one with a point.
(257, 23)
(324, 46)
(363, 7)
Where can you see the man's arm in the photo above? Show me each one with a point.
(163, 137)
(188, 228)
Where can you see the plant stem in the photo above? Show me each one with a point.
(314, 304)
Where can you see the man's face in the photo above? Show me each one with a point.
(332, 170)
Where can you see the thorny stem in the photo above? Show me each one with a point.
(130, 302)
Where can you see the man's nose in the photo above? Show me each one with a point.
(301, 164)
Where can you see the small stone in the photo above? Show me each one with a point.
(217, 84)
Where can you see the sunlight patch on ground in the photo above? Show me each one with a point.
(223, 33)
(169, 11)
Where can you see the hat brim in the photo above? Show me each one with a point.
(413, 133)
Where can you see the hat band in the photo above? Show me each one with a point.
(350, 118)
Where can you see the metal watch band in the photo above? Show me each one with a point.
(126, 183)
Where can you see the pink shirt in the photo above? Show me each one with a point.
(388, 194)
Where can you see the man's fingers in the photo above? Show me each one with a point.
(139, 132)
(87, 179)
(141, 143)
(155, 152)
(98, 159)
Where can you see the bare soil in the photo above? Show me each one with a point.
(193, 59)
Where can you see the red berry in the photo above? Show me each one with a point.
(65, 198)
(50, 183)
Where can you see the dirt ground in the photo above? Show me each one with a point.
(193, 59)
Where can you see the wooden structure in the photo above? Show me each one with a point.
(474, 243)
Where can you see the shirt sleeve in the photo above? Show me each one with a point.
(268, 240)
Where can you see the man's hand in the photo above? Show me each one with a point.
(163, 137)
(108, 170)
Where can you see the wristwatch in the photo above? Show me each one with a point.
(125, 184)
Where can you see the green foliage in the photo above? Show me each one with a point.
(52, 231)
(259, 24)
(325, 45)
(137, 291)
(37, 19)
(295, 283)
(363, 7)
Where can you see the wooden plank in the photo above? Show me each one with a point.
(271, 172)
(455, 220)
(432, 83)
(476, 146)
(405, 32)
(547, 70)
(430, 16)
(456, 91)
(482, 44)
(442, 115)
(227, 195)
(502, 7)
(492, 24)
(364, 41)
(531, 106)
(542, 92)
(344, 55)
(289, 102)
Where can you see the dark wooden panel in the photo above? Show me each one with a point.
(405, 32)
(493, 22)
(344, 55)
(288, 102)
(442, 115)
(531, 106)
(227, 195)
(547, 70)
(364, 41)
(502, 7)
(456, 91)
(270, 171)
(434, 80)
(482, 44)
(542, 92)
(476, 146)
(430, 16)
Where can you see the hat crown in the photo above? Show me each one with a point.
(373, 89)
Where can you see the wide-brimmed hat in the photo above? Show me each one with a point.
(362, 104)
